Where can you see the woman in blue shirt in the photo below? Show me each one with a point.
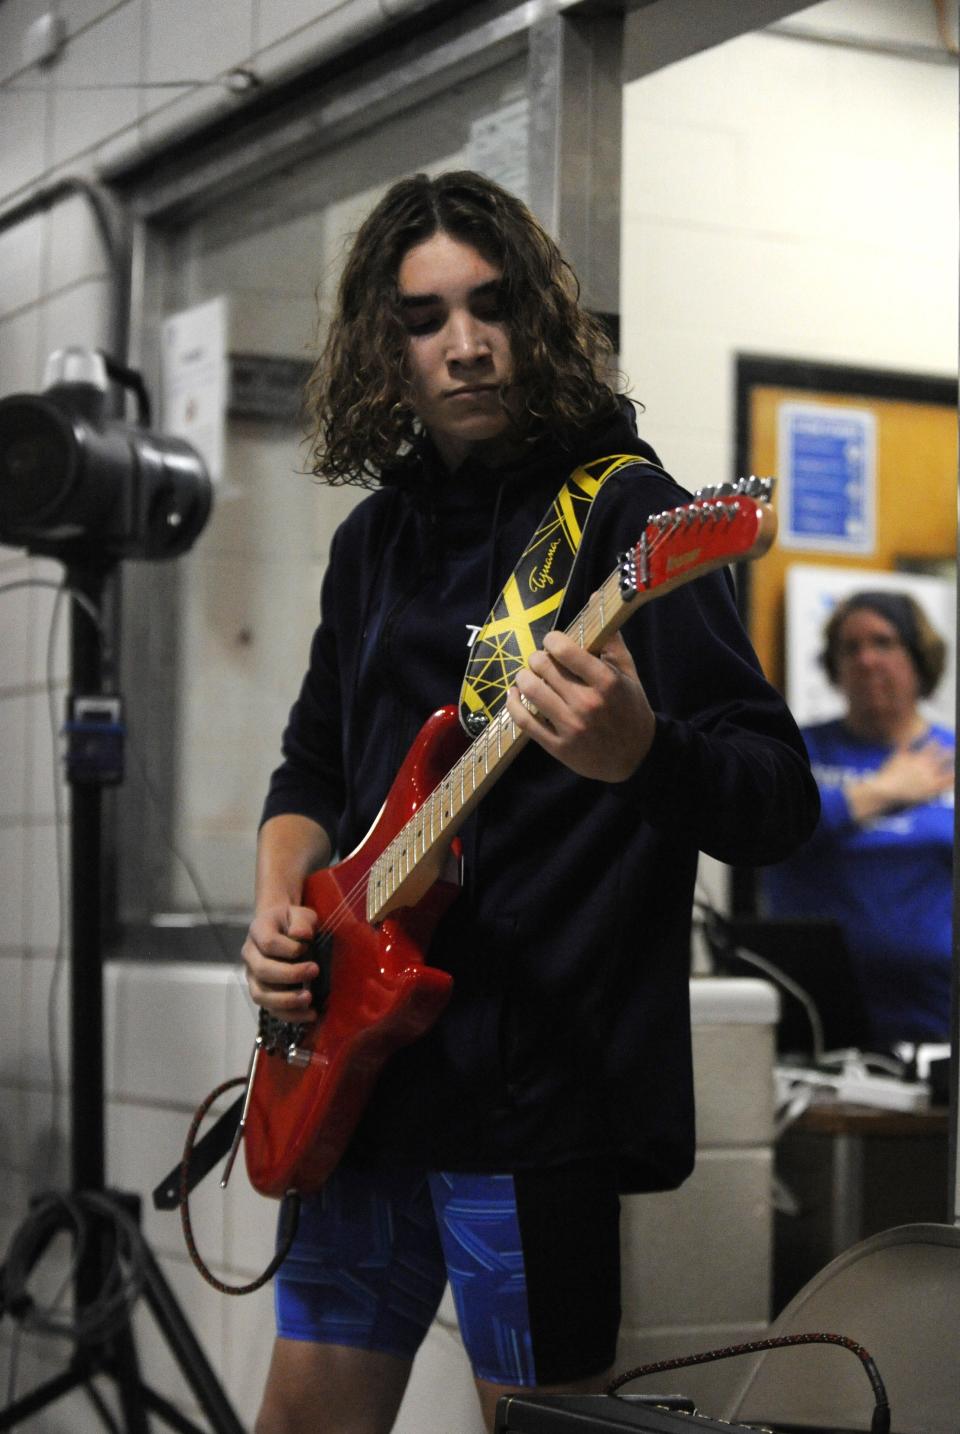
(880, 861)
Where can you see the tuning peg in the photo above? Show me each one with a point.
(759, 488)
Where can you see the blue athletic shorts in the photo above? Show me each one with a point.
(533, 1261)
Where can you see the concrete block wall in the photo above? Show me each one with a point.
(791, 198)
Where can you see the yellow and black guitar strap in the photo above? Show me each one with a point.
(529, 605)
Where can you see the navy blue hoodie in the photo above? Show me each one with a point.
(568, 1033)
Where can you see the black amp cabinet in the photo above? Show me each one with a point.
(606, 1414)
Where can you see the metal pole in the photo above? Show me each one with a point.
(575, 85)
(86, 908)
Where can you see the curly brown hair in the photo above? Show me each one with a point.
(359, 421)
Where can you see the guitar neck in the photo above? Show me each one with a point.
(444, 811)
(677, 546)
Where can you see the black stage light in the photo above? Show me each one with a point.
(79, 485)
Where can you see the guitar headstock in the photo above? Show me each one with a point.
(731, 521)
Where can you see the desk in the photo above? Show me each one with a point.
(854, 1171)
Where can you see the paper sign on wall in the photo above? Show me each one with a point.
(193, 379)
(828, 476)
(498, 146)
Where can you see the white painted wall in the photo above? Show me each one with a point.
(789, 198)
(780, 197)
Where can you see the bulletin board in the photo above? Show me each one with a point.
(866, 461)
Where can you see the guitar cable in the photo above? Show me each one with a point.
(880, 1422)
(289, 1208)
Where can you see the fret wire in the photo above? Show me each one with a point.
(403, 853)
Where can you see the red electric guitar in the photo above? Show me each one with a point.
(378, 908)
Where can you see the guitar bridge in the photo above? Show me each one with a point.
(282, 1038)
(285, 1037)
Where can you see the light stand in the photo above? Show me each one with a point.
(112, 1353)
(107, 1348)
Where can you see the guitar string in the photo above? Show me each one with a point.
(350, 902)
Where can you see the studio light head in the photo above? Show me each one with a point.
(79, 485)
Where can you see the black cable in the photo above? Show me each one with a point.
(131, 379)
(84, 1215)
(80, 598)
(721, 943)
(60, 951)
(60, 589)
(289, 1209)
(108, 662)
(202, 896)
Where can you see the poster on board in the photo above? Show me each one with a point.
(827, 464)
(813, 591)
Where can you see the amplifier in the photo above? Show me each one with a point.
(607, 1414)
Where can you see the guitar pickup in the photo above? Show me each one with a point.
(320, 950)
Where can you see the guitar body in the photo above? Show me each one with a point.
(308, 1086)
(382, 995)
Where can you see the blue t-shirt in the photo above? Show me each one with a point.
(887, 882)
